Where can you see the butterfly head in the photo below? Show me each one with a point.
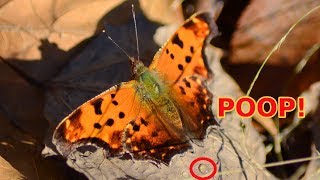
(137, 68)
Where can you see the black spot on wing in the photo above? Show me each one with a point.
(182, 90)
(188, 59)
(171, 56)
(109, 122)
(97, 126)
(121, 115)
(75, 115)
(144, 122)
(136, 127)
(113, 95)
(188, 84)
(97, 105)
(115, 103)
(176, 40)
(180, 67)
(192, 49)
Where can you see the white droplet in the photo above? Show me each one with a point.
(203, 168)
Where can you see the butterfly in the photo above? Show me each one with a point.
(160, 111)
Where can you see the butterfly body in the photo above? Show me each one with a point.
(154, 92)
(155, 115)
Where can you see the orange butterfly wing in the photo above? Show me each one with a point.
(194, 101)
(183, 65)
(183, 55)
(104, 117)
(148, 138)
(121, 120)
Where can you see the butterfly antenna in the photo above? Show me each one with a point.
(136, 30)
(109, 37)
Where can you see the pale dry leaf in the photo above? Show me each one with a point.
(162, 11)
(20, 150)
(8, 172)
(65, 23)
(76, 19)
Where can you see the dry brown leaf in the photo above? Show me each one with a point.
(262, 25)
(47, 19)
(302, 135)
(306, 77)
(21, 102)
(22, 152)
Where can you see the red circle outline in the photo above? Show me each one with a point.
(201, 159)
